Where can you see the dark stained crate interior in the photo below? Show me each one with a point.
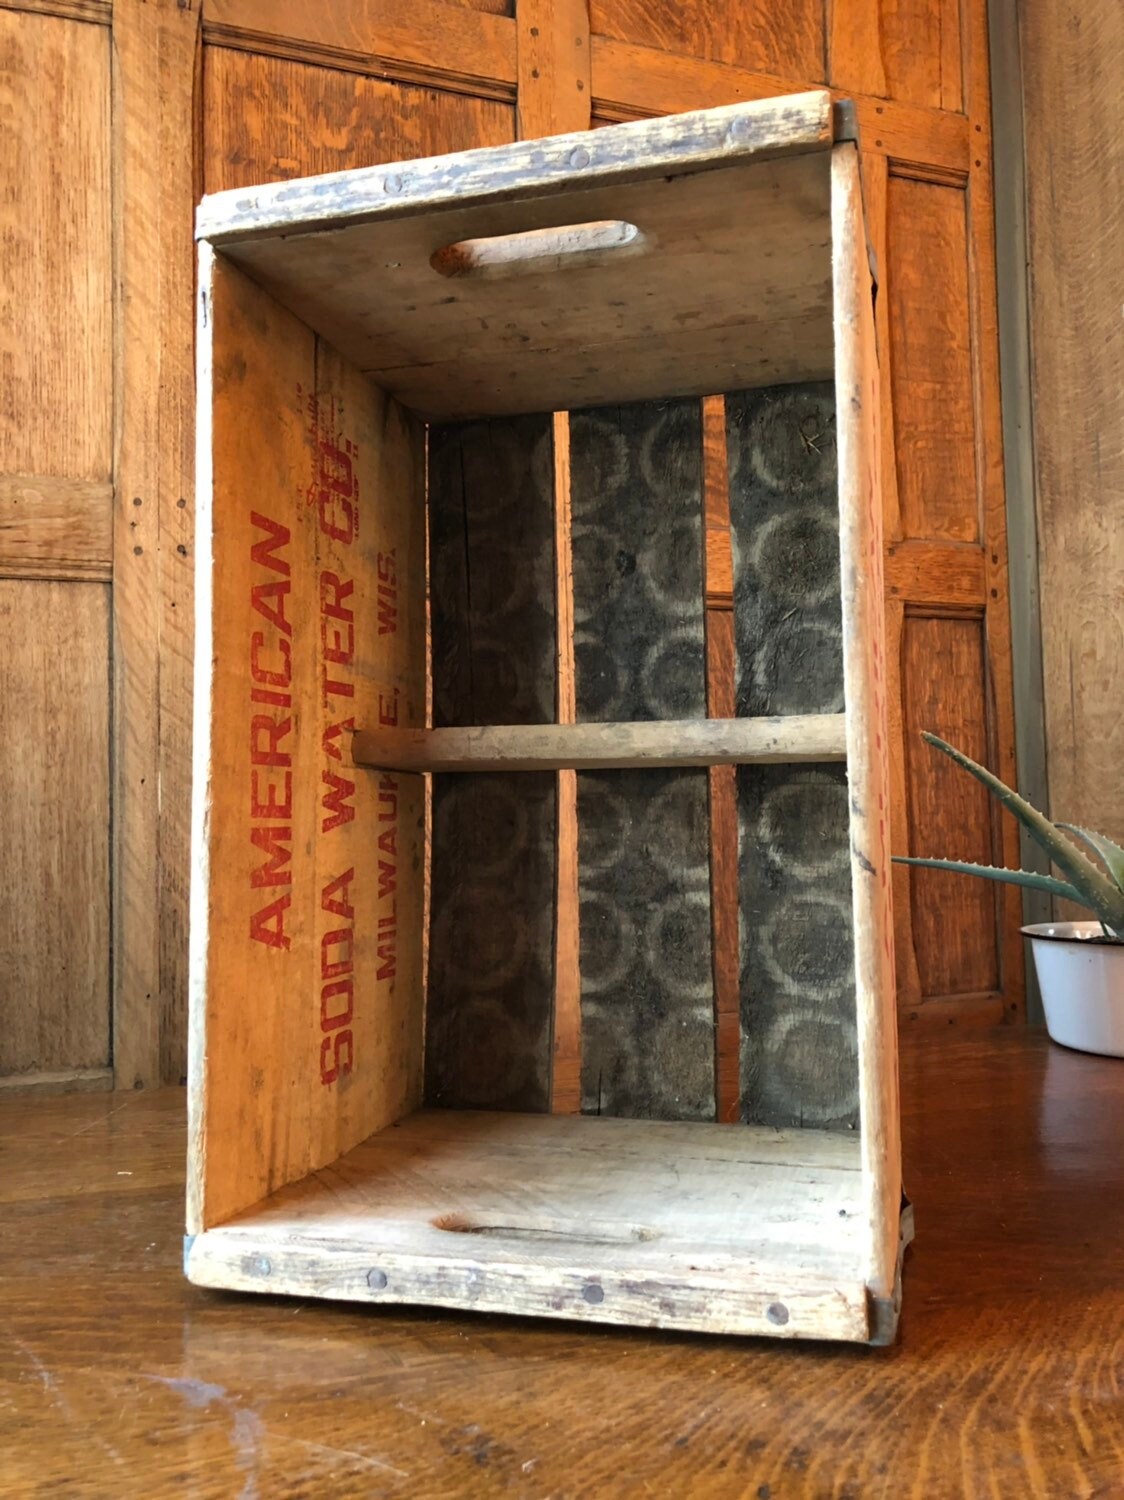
(648, 1038)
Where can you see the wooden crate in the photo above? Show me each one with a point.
(434, 714)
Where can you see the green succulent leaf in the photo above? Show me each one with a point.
(1096, 891)
(1028, 878)
(1107, 848)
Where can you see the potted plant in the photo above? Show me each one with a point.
(1080, 964)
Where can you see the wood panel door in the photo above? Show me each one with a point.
(56, 447)
(147, 103)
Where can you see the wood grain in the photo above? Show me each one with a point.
(55, 205)
(552, 51)
(1075, 176)
(950, 815)
(100, 12)
(604, 746)
(493, 7)
(1004, 1381)
(612, 1221)
(909, 568)
(630, 81)
(154, 65)
(931, 360)
(649, 321)
(179, 65)
(566, 1038)
(725, 935)
(257, 109)
(858, 413)
(784, 41)
(954, 574)
(64, 1081)
(433, 44)
(989, 425)
(54, 813)
(905, 954)
(56, 528)
(306, 1013)
(762, 130)
(903, 49)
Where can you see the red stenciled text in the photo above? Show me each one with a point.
(387, 821)
(270, 731)
(334, 493)
(337, 981)
(387, 592)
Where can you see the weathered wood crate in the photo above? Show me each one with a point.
(460, 913)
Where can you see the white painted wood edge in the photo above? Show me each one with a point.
(672, 145)
(199, 895)
(865, 685)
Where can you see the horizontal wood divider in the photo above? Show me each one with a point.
(98, 12)
(917, 572)
(64, 1081)
(947, 573)
(596, 747)
(56, 528)
(630, 80)
(441, 46)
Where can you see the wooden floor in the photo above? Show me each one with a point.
(117, 1378)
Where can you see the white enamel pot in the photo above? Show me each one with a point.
(1081, 976)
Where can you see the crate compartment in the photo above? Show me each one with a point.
(476, 340)
(732, 1229)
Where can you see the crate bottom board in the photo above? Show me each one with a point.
(718, 1228)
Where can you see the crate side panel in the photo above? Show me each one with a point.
(647, 990)
(491, 510)
(306, 941)
(798, 1053)
(864, 659)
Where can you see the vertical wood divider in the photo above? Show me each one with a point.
(875, 172)
(720, 704)
(988, 412)
(552, 58)
(156, 50)
(566, 1066)
(554, 95)
(427, 832)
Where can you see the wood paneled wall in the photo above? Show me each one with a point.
(1073, 71)
(122, 114)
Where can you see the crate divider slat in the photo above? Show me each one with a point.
(605, 746)
(343, 321)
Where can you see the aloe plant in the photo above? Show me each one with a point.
(1099, 891)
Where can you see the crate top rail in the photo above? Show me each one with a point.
(715, 275)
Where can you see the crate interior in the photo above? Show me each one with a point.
(628, 541)
(538, 916)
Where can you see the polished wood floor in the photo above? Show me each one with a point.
(118, 1378)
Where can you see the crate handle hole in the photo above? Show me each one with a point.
(547, 1229)
(540, 249)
